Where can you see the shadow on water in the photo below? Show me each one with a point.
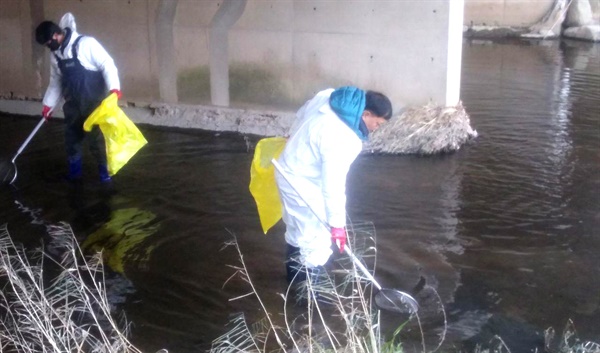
(505, 229)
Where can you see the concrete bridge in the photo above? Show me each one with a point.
(189, 63)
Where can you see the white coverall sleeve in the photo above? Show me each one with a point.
(337, 157)
(54, 91)
(91, 51)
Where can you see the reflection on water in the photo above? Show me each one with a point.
(121, 236)
(506, 229)
(531, 197)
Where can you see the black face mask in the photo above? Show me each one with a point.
(53, 45)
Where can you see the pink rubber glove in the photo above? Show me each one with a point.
(117, 92)
(338, 235)
(46, 112)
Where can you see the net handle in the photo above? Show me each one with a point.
(35, 130)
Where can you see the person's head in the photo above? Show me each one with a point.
(378, 110)
(49, 34)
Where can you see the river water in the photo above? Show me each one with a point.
(506, 229)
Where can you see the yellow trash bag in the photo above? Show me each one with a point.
(122, 137)
(262, 181)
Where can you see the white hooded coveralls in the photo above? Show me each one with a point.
(317, 158)
(91, 55)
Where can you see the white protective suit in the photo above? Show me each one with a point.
(91, 55)
(317, 158)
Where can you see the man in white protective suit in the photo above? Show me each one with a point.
(83, 73)
(324, 141)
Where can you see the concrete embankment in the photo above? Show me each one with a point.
(575, 19)
(263, 123)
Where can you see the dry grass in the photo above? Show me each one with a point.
(339, 316)
(425, 130)
(329, 313)
(569, 341)
(70, 313)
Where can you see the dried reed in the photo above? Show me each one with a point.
(71, 314)
(339, 315)
(425, 130)
(570, 342)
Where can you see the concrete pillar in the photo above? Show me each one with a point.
(550, 26)
(165, 50)
(227, 15)
(34, 72)
(455, 33)
(579, 14)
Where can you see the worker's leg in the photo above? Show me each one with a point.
(74, 136)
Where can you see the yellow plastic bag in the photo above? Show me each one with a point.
(122, 137)
(262, 181)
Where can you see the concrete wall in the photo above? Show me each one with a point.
(280, 52)
(512, 13)
(17, 60)
(505, 13)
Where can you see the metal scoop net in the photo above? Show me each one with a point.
(396, 301)
(8, 170)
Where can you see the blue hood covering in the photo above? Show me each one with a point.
(349, 103)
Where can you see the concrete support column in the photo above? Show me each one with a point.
(227, 15)
(165, 50)
(455, 36)
(36, 13)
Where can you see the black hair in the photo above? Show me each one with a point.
(378, 104)
(45, 31)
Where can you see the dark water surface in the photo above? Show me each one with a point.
(506, 229)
